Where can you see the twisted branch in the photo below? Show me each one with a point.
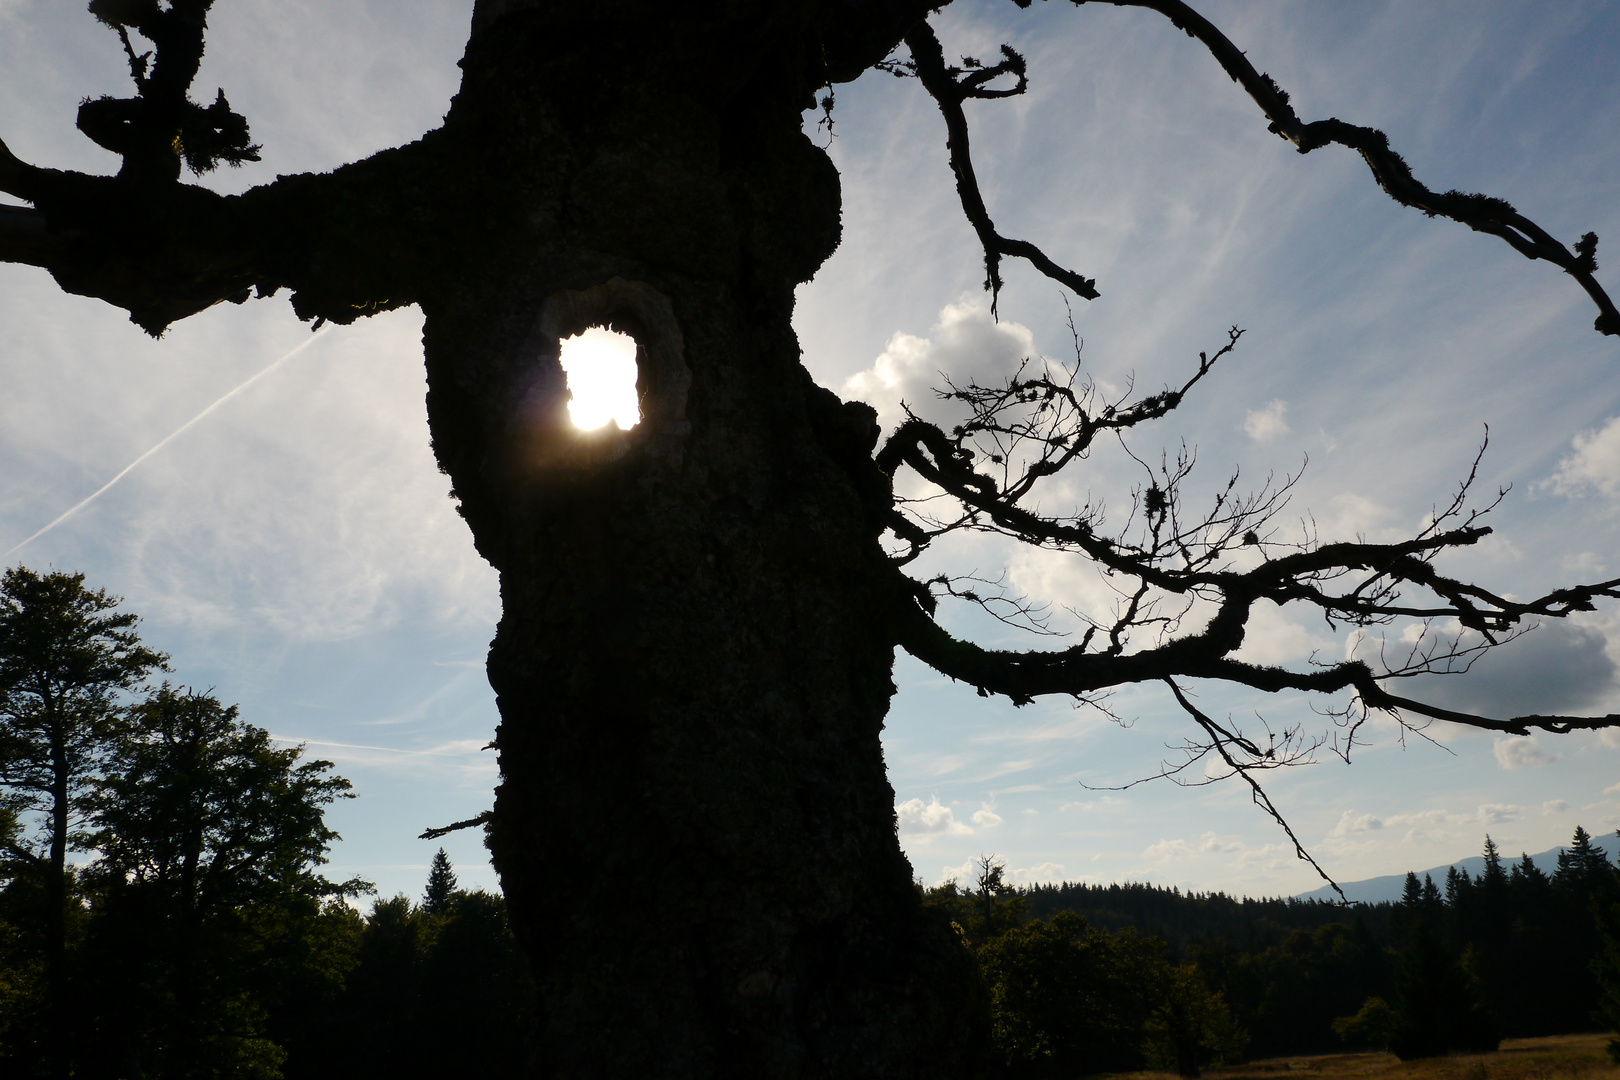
(949, 87)
(1482, 213)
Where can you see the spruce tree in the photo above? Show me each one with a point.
(1412, 894)
(1459, 889)
(1493, 876)
(1606, 965)
(441, 885)
(1432, 904)
(1526, 874)
(1583, 867)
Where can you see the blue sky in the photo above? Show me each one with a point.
(296, 549)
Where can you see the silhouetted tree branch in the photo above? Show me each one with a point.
(1482, 213)
(950, 87)
(1221, 562)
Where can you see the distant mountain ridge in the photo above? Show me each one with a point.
(1388, 889)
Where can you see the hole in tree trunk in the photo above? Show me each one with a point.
(600, 366)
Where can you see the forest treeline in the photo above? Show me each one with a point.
(163, 915)
(162, 910)
(1088, 979)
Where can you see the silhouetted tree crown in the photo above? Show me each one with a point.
(66, 653)
(207, 809)
(441, 885)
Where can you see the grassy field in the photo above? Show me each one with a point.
(1559, 1057)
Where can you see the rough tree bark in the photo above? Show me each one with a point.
(690, 704)
(694, 828)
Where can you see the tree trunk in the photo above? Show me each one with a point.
(56, 894)
(694, 829)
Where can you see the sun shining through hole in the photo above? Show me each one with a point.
(601, 370)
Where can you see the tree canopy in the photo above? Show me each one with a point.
(66, 654)
(167, 951)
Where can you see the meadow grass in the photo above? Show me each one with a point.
(1556, 1057)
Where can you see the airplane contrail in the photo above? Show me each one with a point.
(166, 440)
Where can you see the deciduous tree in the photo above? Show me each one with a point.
(211, 839)
(66, 654)
(700, 614)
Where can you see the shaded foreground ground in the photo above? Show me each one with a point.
(1579, 1057)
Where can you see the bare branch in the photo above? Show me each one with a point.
(471, 823)
(1482, 213)
(949, 88)
(1221, 741)
(1017, 611)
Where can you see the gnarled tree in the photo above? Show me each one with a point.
(700, 614)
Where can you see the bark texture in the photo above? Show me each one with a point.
(694, 828)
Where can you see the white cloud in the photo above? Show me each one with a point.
(1070, 583)
(1040, 873)
(1349, 516)
(1554, 806)
(966, 342)
(1168, 851)
(1585, 564)
(1270, 637)
(986, 817)
(1268, 858)
(1497, 813)
(918, 818)
(1352, 823)
(1212, 843)
(1610, 737)
(1615, 790)
(1595, 464)
(1267, 424)
(1522, 752)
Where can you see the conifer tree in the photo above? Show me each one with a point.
(1459, 889)
(1526, 874)
(1493, 876)
(1435, 1000)
(441, 885)
(1606, 965)
(1432, 904)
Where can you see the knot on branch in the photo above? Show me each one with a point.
(1586, 253)
(974, 76)
(161, 127)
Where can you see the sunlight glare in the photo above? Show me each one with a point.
(601, 370)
